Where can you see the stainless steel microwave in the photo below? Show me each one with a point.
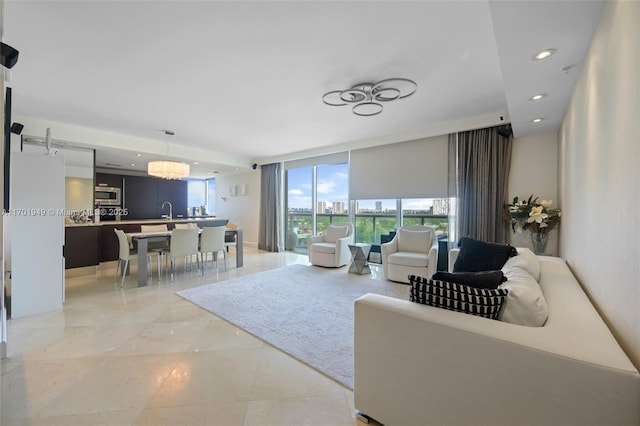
(108, 196)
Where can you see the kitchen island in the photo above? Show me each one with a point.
(88, 244)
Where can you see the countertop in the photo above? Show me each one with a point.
(140, 221)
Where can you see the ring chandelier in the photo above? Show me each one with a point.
(367, 98)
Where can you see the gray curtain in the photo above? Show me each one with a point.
(452, 191)
(269, 232)
(484, 160)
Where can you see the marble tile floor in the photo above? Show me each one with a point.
(145, 356)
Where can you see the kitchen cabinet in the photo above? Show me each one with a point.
(175, 192)
(81, 246)
(144, 196)
(107, 179)
(139, 199)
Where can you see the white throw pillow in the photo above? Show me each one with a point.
(527, 260)
(334, 233)
(526, 304)
(416, 241)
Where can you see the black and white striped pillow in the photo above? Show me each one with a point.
(482, 302)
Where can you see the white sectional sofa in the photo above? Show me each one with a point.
(421, 365)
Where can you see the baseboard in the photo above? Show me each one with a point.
(80, 272)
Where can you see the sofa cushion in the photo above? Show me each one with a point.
(525, 304)
(323, 248)
(414, 241)
(482, 302)
(418, 260)
(478, 255)
(334, 233)
(527, 260)
(482, 279)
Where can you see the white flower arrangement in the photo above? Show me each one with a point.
(533, 216)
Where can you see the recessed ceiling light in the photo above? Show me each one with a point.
(544, 54)
(138, 155)
(538, 97)
(196, 162)
(537, 120)
(133, 164)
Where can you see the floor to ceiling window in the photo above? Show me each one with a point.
(299, 208)
(332, 196)
(374, 218)
(399, 184)
(317, 195)
(428, 212)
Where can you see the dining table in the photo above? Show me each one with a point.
(143, 239)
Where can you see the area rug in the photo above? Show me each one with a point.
(306, 311)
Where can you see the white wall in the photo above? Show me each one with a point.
(78, 194)
(3, 323)
(534, 171)
(599, 179)
(241, 209)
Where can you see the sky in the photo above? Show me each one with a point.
(333, 185)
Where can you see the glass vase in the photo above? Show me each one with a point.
(539, 242)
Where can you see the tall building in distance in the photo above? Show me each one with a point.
(322, 207)
(378, 206)
(441, 207)
(338, 207)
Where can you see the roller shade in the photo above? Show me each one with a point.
(415, 169)
(339, 157)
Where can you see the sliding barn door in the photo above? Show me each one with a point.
(37, 233)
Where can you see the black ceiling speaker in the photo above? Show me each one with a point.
(8, 56)
(16, 128)
(505, 131)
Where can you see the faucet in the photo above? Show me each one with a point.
(170, 217)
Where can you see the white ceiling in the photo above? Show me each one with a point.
(247, 78)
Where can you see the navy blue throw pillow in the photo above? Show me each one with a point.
(482, 279)
(476, 256)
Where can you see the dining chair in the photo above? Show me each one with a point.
(185, 226)
(125, 254)
(156, 228)
(156, 246)
(184, 243)
(230, 237)
(212, 241)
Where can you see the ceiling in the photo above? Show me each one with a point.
(245, 79)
